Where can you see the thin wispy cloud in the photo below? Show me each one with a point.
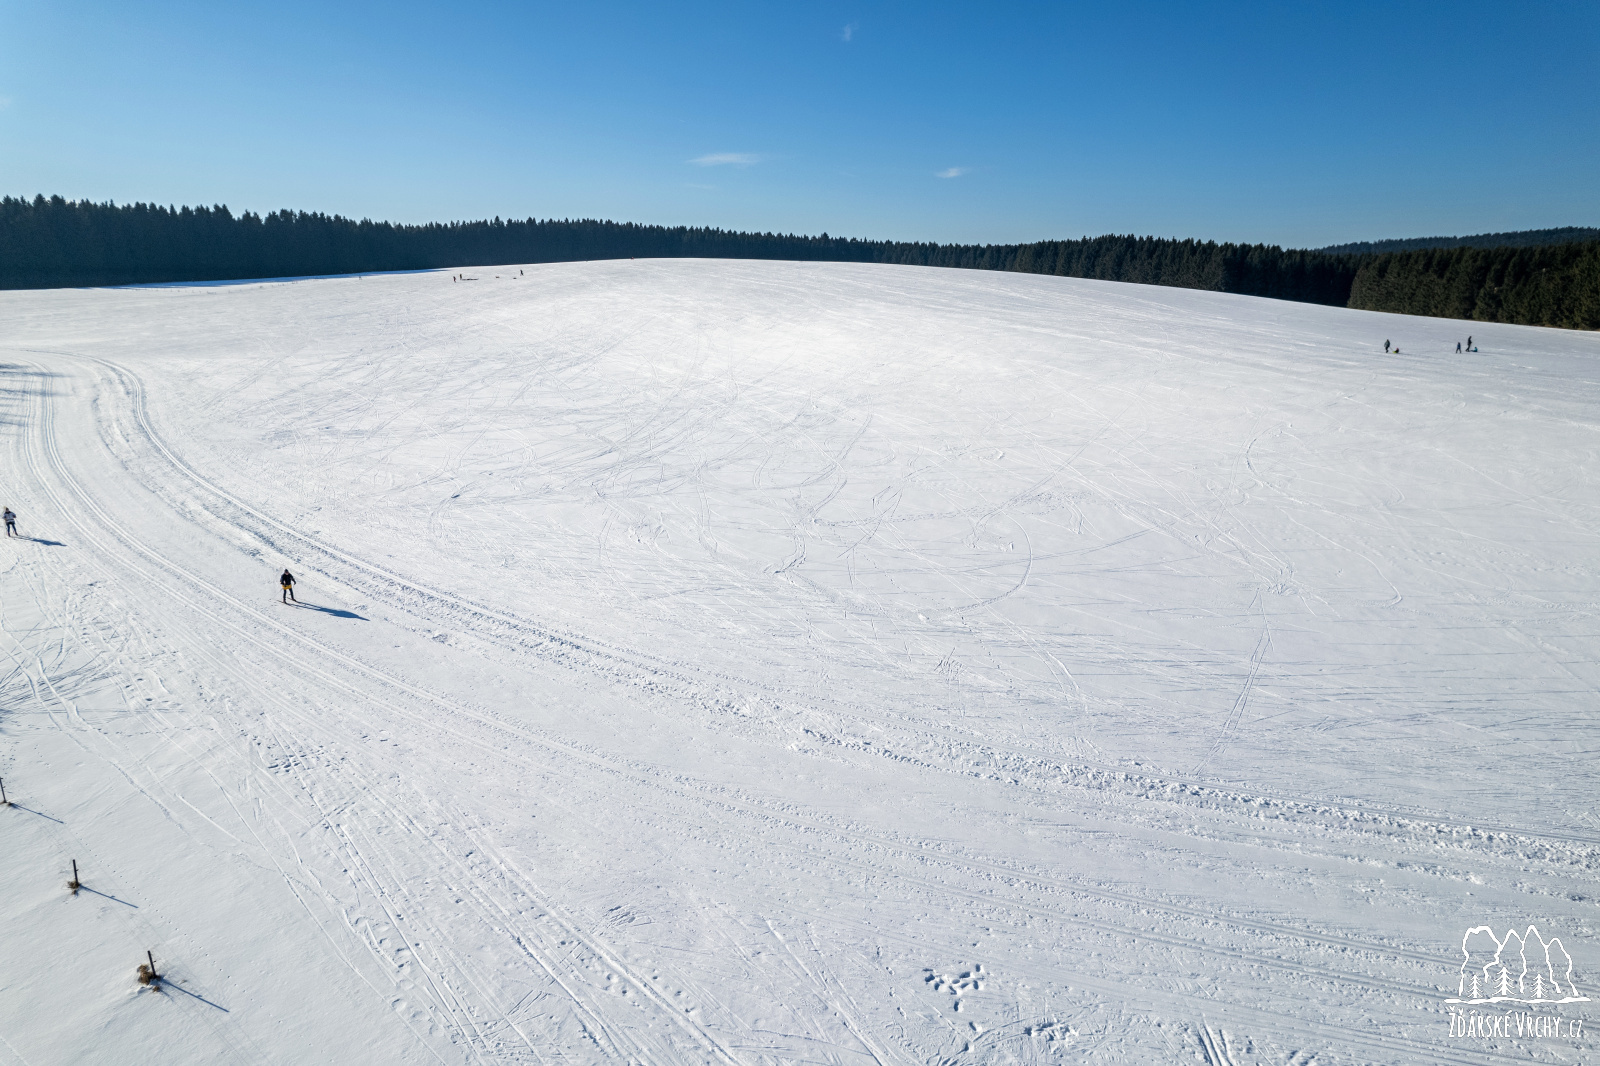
(726, 159)
(849, 32)
(951, 172)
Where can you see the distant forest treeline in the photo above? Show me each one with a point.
(49, 243)
(1546, 285)
(1526, 238)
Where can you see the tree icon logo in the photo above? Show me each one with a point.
(1515, 968)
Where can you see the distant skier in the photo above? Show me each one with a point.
(1386, 347)
(287, 581)
(1469, 344)
(11, 523)
(1458, 347)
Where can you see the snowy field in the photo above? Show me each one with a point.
(742, 662)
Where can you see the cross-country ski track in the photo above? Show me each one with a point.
(740, 662)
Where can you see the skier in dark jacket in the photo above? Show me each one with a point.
(11, 523)
(287, 581)
(1386, 346)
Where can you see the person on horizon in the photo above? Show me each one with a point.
(11, 523)
(287, 581)
(1386, 346)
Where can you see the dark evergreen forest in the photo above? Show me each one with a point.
(51, 243)
(1526, 238)
(1549, 285)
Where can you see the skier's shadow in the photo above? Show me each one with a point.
(330, 610)
(50, 543)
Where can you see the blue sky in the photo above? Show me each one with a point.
(1299, 124)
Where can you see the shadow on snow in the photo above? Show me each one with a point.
(336, 612)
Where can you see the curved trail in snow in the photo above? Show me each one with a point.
(721, 691)
(461, 1000)
(121, 552)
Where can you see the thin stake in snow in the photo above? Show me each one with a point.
(147, 974)
(3, 801)
(73, 884)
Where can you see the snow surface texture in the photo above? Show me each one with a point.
(767, 662)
